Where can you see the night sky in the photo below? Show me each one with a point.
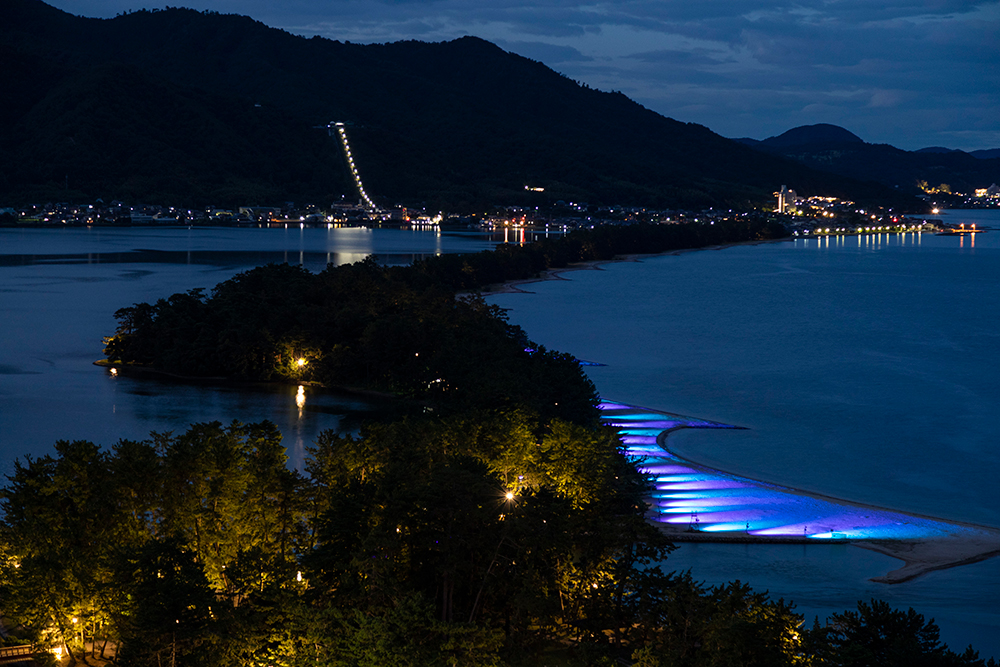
(909, 73)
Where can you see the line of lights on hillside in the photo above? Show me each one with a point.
(342, 133)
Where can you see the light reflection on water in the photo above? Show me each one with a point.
(59, 289)
(714, 501)
(144, 401)
(747, 336)
(864, 368)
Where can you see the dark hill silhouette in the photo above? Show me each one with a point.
(839, 151)
(163, 104)
(822, 133)
(937, 149)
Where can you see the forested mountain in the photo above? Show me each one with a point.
(839, 151)
(182, 106)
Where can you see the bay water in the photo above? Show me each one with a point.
(862, 367)
(60, 288)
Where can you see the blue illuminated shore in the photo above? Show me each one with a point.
(695, 503)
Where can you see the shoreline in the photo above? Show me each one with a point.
(136, 370)
(919, 555)
(513, 286)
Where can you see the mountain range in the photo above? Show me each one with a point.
(839, 151)
(196, 108)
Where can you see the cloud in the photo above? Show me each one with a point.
(689, 58)
(886, 98)
(550, 54)
(908, 72)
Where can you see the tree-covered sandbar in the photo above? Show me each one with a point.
(498, 528)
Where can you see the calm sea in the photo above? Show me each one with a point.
(59, 289)
(865, 368)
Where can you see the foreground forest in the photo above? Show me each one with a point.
(399, 547)
(498, 523)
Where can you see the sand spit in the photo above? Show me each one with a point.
(923, 556)
(695, 503)
(759, 512)
(516, 286)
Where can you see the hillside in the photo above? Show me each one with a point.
(839, 151)
(182, 106)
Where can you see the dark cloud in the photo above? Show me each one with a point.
(908, 72)
(550, 54)
(692, 58)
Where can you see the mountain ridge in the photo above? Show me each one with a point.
(837, 150)
(460, 123)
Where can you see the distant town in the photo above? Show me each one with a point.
(801, 215)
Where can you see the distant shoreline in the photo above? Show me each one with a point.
(919, 555)
(135, 369)
(514, 286)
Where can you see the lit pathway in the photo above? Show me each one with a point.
(702, 502)
(342, 135)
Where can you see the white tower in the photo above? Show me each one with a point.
(782, 198)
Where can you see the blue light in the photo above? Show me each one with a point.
(713, 501)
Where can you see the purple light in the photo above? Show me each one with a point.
(717, 502)
(613, 406)
(706, 484)
(638, 440)
(660, 425)
(669, 470)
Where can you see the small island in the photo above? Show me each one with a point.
(498, 521)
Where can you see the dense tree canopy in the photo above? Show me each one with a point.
(396, 329)
(498, 524)
(481, 538)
